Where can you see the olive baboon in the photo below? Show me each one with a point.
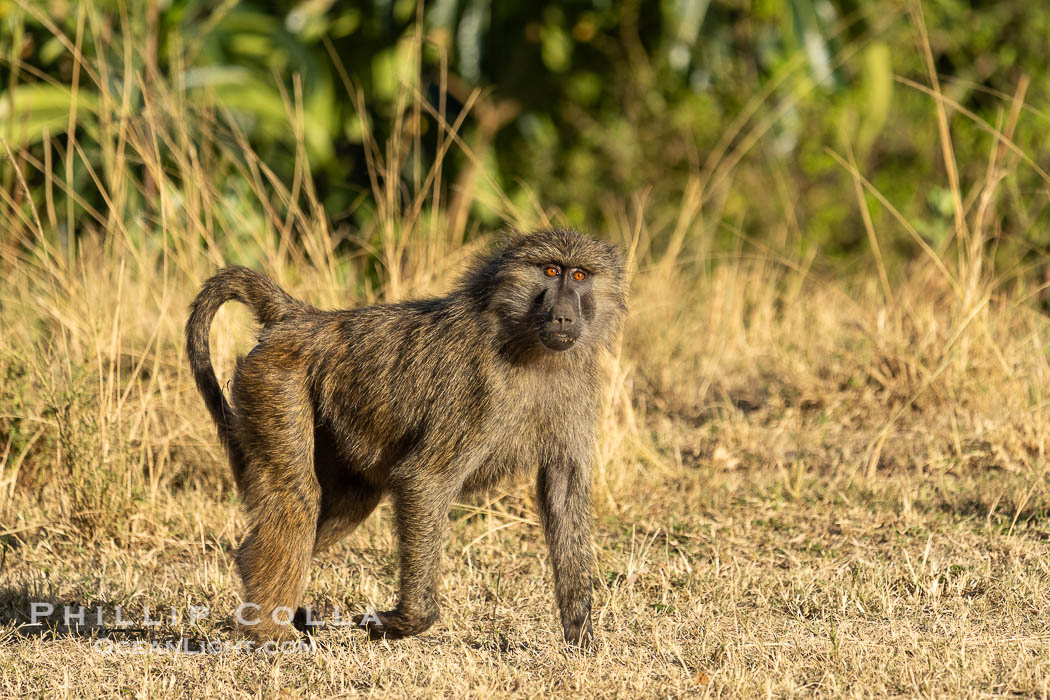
(424, 399)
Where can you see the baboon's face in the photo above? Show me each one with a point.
(555, 290)
(563, 290)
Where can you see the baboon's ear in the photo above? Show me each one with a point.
(616, 257)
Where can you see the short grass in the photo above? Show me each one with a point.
(720, 577)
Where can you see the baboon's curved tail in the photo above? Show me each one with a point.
(268, 302)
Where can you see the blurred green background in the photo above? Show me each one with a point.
(583, 107)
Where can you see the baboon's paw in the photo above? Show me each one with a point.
(393, 624)
(379, 625)
(261, 634)
(579, 636)
(304, 624)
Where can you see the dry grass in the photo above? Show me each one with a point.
(807, 484)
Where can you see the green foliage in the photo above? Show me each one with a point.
(583, 104)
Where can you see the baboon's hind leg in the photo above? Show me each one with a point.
(282, 499)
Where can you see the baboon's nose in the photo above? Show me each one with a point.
(562, 315)
(561, 330)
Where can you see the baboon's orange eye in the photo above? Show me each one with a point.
(579, 275)
(550, 271)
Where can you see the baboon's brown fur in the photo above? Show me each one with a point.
(425, 400)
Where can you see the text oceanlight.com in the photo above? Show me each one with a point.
(189, 646)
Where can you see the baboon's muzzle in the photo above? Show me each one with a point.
(562, 324)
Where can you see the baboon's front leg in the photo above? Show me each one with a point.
(421, 512)
(563, 500)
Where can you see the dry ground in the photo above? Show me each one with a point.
(703, 588)
(718, 579)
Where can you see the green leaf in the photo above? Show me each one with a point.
(877, 94)
(28, 110)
